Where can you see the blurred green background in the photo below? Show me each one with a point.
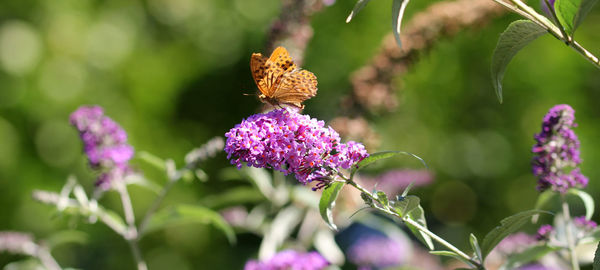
(172, 73)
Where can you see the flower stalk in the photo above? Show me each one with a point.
(386, 209)
(526, 11)
(569, 232)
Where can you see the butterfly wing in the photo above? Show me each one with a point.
(295, 87)
(258, 68)
(268, 72)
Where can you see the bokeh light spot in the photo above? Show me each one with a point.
(20, 47)
(454, 203)
(57, 143)
(62, 79)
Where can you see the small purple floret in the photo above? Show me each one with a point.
(584, 223)
(544, 232)
(291, 143)
(557, 152)
(104, 143)
(290, 259)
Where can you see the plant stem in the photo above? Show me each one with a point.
(46, 259)
(137, 255)
(385, 209)
(132, 232)
(156, 203)
(529, 13)
(569, 232)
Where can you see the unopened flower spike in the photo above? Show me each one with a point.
(557, 152)
(104, 143)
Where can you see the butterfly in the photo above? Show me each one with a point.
(280, 81)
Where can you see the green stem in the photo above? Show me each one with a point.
(569, 232)
(156, 203)
(386, 209)
(526, 11)
(132, 232)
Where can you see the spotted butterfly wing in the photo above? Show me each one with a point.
(280, 81)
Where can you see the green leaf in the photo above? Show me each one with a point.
(516, 36)
(584, 9)
(507, 226)
(475, 246)
(418, 215)
(151, 159)
(187, 214)
(597, 258)
(406, 205)
(141, 181)
(565, 12)
(327, 203)
(451, 255)
(588, 201)
(65, 237)
(570, 13)
(382, 197)
(360, 4)
(378, 156)
(528, 255)
(233, 196)
(398, 8)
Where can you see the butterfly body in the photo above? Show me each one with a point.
(280, 81)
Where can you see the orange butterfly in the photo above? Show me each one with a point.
(280, 81)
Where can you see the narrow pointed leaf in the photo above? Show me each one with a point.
(571, 13)
(379, 156)
(360, 4)
(588, 201)
(418, 215)
(398, 8)
(406, 205)
(518, 34)
(151, 159)
(382, 197)
(507, 226)
(188, 214)
(584, 9)
(327, 203)
(475, 246)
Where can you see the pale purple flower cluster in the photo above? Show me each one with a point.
(557, 152)
(290, 260)
(543, 233)
(584, 223)
(536, 266)
(377, 251)
(292, 143)
(515, 243)
(395, 181)
(104, 143)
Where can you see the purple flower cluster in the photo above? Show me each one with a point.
(104, 143)
(289, 260)
(291, 143)
(557, 152)
(584, 223)
(376, 251)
